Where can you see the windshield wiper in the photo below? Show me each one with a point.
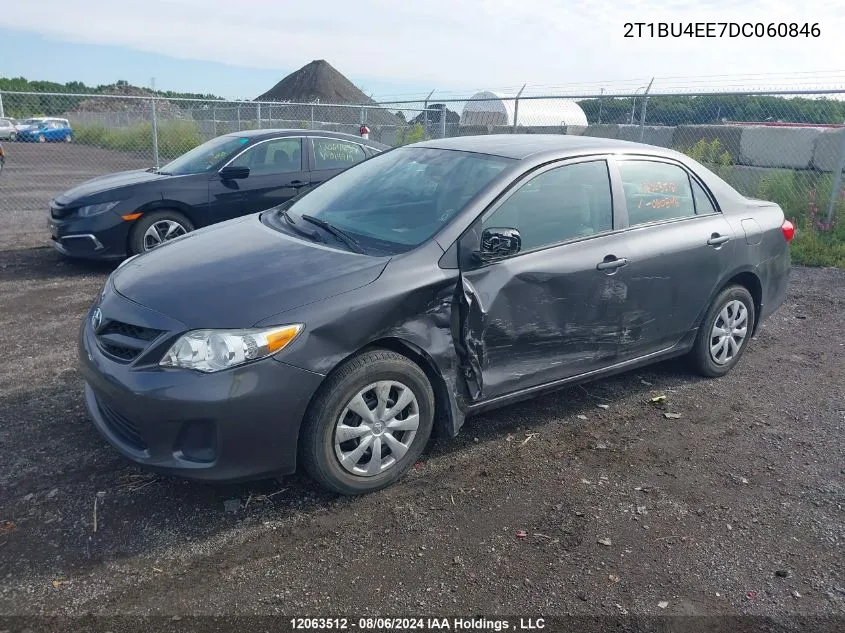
(312, 234)
(340, 234)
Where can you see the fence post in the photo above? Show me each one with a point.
(642, 113)
(155, 131)
(443, 120)
(2, 113)
(516, 108)
(837, 178)
(214, 118)
(425, 114)
(239, 117)
(258, 115)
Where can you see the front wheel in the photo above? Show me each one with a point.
(157, 228)
(42, 138)
(68, 138)
(369, 423)
(13, 137)
(724, 333)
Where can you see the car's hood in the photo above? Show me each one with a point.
(108, 182)
(237, 273)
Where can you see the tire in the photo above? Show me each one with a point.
(42, 138)
(139, 242)
(366, 374)
(68, 138)
(13, 137)
(726, 305)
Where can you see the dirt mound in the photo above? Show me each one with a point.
(126, 98)
(320, 82)
(316, 81)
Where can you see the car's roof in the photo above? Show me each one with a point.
(271, 133)
(521, 146)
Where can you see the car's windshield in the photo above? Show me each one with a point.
(204, 157)
(31, 121)
(397, 200)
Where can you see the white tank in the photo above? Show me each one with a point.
(497, 109)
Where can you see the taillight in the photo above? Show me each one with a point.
(788, 230)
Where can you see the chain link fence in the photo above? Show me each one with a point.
(783, 146)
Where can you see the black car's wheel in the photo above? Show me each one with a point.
(154, 229)
(368, 424)
(725, 332)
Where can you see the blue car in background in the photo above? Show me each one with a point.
(44, 130)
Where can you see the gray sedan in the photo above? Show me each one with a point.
(8, 131)
(428, 283)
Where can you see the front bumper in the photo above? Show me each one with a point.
(228, 426)
(102, 237)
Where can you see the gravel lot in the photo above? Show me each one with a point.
(35, 173)
(554, 506)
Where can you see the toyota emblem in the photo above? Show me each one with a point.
(97, 319)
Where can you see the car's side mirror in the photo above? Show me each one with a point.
(498, 243)
(234, 173)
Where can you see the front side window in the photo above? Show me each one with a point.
(655, 191)
(334, 154)
(205, 157)
(397, 200)
(279, 156)
(562, 204)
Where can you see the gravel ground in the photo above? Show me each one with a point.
(35, 173)
(553, 506)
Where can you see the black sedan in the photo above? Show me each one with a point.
(127, 213)
(426, 284)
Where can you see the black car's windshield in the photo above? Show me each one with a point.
(204, 157)
(399, 199)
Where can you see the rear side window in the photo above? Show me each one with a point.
(703, 206)
(655, 191)
(562, 204)
(335, 154)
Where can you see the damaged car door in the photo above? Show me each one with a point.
(544, 295)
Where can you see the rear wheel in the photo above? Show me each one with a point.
(13, 137)
(68, 138)
(368, 424)
(157, 228)
(724, 333)
(42, 138)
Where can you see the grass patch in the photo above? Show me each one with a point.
(174, 137)
(804, 197)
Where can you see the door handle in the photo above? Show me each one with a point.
(611, 263)
(717, 240)
(298, 183)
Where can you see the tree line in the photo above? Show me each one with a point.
(44, 104)
(703, 109)
(679, 110)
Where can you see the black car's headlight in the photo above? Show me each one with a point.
(96, 209)
(215, 350)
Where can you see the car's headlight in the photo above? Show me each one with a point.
(214, 350)
(96, 209)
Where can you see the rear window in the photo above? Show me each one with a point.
(655, 191)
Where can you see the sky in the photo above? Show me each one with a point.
(405, 50)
